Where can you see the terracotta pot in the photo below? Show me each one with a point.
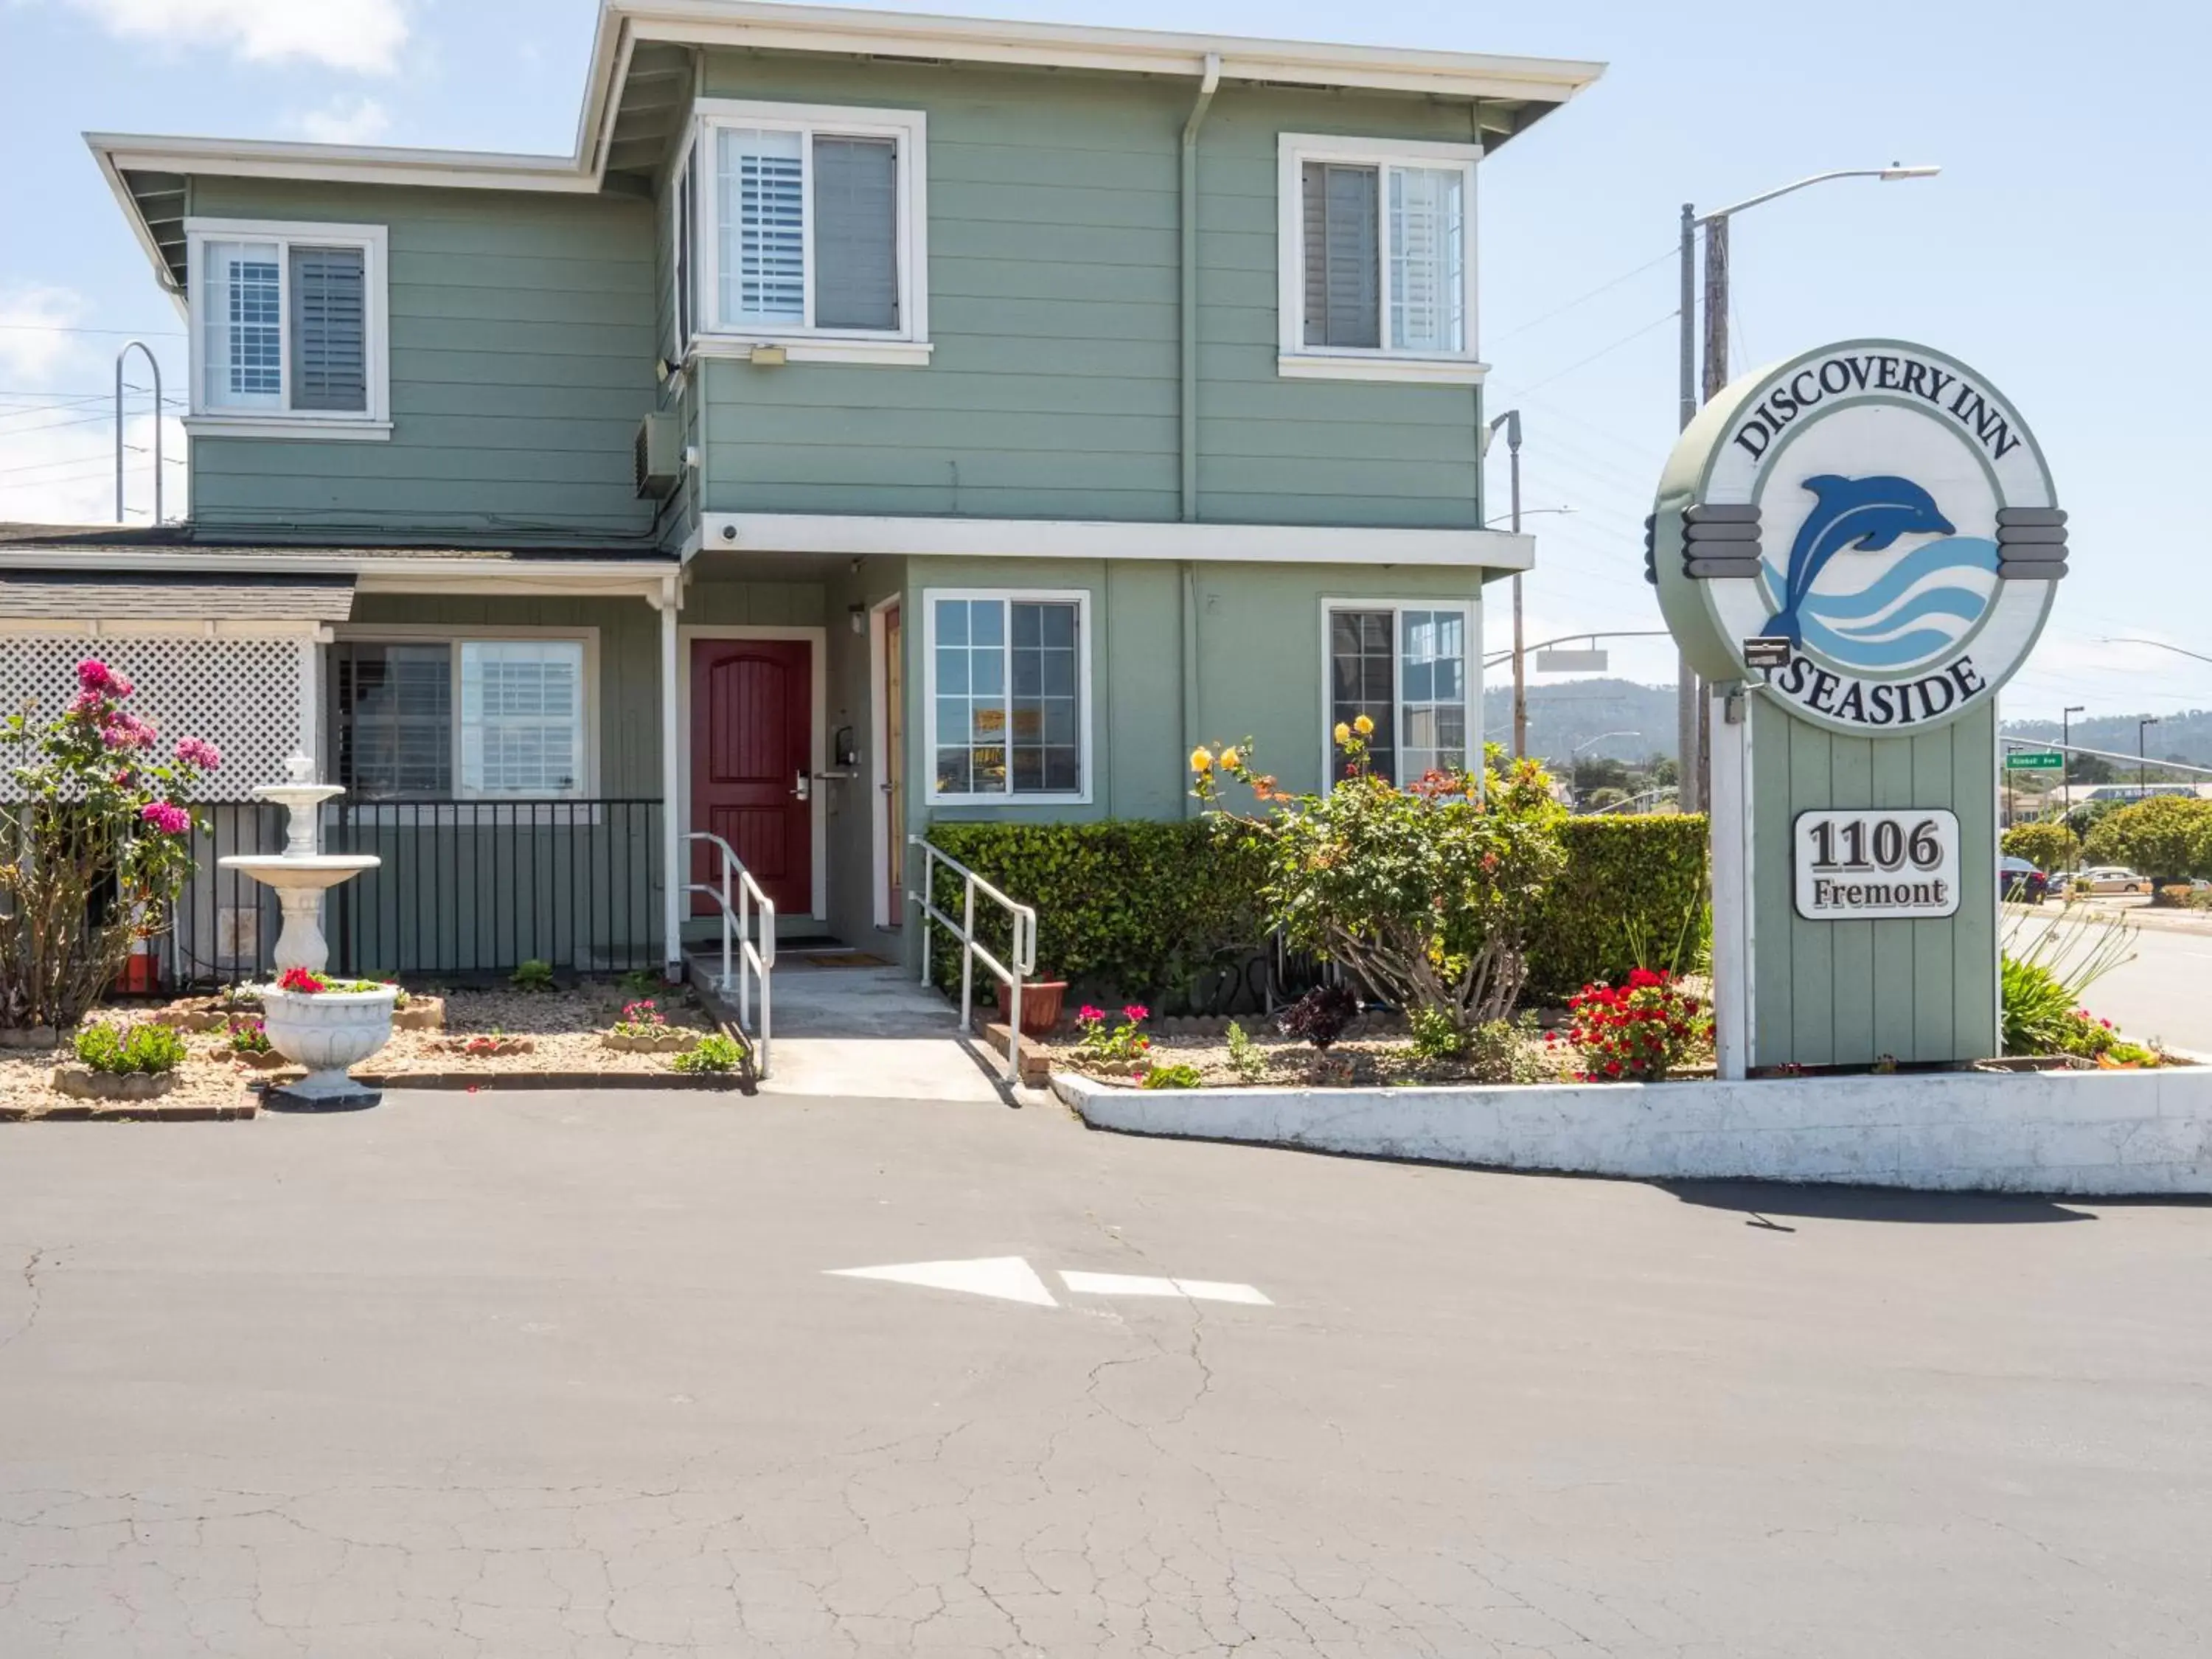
(1041, 1003)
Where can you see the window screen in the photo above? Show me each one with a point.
(969, 672)
(522, 717)
(1427, 259)
(761, 222)
(1047, 755)
(1432, 691)
(242, 346)
(1343, 278)
(855, 233)
(330, 328)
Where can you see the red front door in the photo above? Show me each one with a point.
(751, 727)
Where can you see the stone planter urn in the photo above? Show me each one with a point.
(326, 1031)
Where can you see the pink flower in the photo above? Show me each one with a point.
(95, 678)
(168, 819)
(1089, 1015)
(124, 730)
(198, 752)
(1136, 1010)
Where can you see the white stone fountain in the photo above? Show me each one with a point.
(326, 1030)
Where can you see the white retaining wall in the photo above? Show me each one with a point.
(2104, 1133)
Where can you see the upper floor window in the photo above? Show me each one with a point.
(1377, 260)
(288, 329)
(805, 226)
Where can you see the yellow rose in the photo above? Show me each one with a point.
(1343, 732)
(1364, 726)
(1229, 757)
(1202, 760)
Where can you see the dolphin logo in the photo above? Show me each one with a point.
(1859, 514)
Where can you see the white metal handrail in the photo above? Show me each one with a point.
(753, 920)
(1022, 947)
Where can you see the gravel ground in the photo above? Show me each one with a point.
(563, 1027)
(1365, 1061)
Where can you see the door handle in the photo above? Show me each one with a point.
(802, 785)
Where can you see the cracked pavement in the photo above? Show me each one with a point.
(562, 1375)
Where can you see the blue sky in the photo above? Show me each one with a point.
(2061, 252)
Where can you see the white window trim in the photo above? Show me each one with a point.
(1086, 724)
(588, 786)
(1295, 359)
(907, 344)
(1470, 612)
(372, 423)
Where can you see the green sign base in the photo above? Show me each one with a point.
(1853, 961)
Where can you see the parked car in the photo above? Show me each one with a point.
(2105, 878)
(2022, 882)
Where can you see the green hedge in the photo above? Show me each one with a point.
(1131, 908)
(1632, 894)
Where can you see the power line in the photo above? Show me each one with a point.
(71, 328)
(1603, 351)
(1603, 287)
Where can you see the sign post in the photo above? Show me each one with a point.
(1856, 548)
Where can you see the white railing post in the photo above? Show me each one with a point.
(1021, 954)
(928, 898)
(968, 957)
(755, 953)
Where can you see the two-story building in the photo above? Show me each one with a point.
(878, 419)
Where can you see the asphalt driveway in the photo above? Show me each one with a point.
(517, 1376)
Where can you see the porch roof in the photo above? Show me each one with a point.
(174, 596)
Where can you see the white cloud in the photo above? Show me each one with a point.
(346, 121)
(363, 35)
(33, 340)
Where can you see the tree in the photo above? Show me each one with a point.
(2167, 838)
(2047, 845)
(2089, 769)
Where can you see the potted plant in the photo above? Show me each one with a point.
(326, 1025)
(1040, 1004)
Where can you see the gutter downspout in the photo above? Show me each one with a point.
(1207, 87)
(1187, 426)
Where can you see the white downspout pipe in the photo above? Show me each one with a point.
(672, 789)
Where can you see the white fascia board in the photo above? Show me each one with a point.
(824, 28)
(850, 536)
(359, 164)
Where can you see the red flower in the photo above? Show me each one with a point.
(301, 980)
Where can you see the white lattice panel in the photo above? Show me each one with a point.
(244, 696)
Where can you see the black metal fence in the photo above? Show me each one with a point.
(465, 889)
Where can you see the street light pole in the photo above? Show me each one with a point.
(1692, 718)
(1511, 420)
(2143, 771)
(2066, 755)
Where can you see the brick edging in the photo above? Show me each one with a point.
(551, 1081)
(133, 1111)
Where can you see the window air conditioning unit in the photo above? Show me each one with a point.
(659, 461)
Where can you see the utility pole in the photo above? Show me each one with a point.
(1686, 700)
(1511, 420)
(2066, 755)
(2143, 771)
(1717, 376)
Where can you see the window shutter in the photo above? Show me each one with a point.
(763, 221)
(1343, 277)
(330, 341)
(855, 233)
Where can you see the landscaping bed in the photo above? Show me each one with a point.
(487, 1034)
(1376, 1052)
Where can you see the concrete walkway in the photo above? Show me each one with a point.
(870, 1032)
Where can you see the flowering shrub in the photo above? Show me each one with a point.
(138, 1046)
(247, 1036)
(1636, 1032)
(304, 981)
(93, 847)
(1426, 893)
(640, 1019)
(1124, 1045)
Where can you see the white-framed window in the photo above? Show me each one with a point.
(807, 228)
(419, 715)
(1007, 695)
(1405, 665)
(289, 329)
(1376, 251)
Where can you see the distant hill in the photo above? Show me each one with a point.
(2186, 738)
(1560, 716)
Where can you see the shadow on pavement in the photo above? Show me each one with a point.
(1759, 1200)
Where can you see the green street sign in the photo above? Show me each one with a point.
(2035, 760)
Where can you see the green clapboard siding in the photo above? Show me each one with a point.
(1259, 668)
(1845, 994)
(523, 339)
(1055, 295)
